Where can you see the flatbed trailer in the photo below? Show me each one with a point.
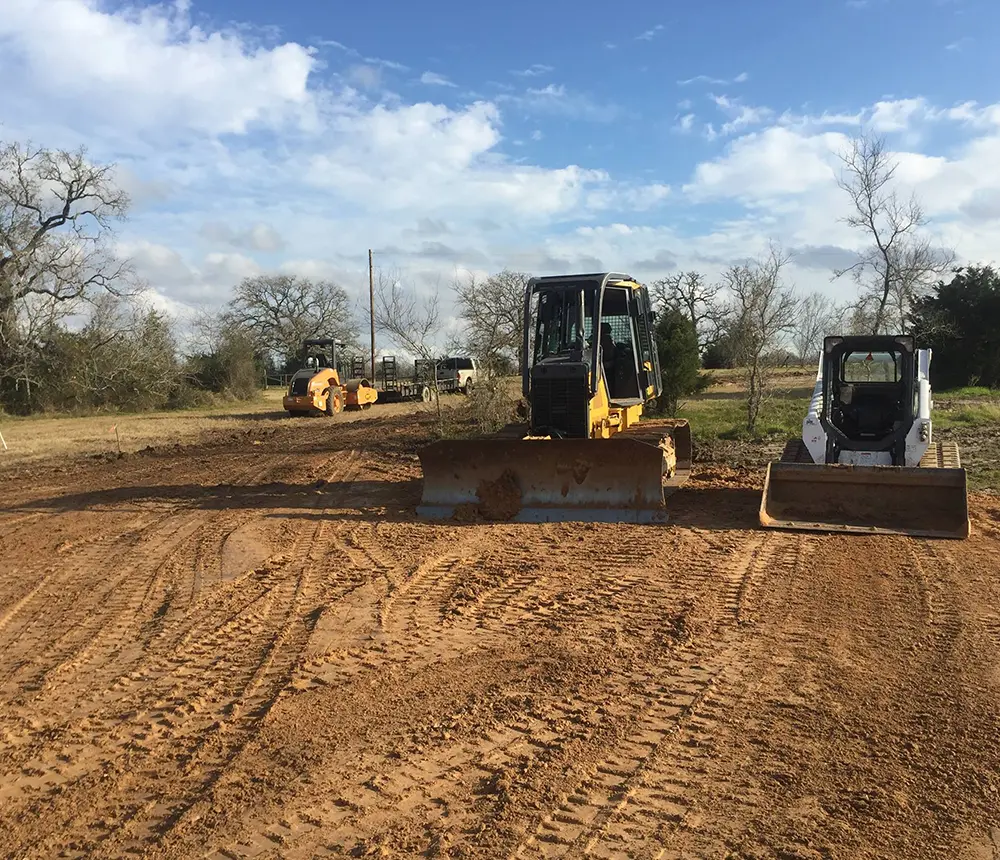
(392, 389)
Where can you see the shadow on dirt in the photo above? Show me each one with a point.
(392, 501)
(715, 508)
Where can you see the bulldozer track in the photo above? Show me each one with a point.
(258, 651)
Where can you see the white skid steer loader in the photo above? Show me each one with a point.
(867, 461)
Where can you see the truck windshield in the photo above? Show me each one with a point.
(561, 323)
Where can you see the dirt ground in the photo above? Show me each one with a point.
(249, 647)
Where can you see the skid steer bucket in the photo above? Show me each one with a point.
(926, 502)
(546, 480)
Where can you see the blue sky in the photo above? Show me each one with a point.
(545, 136)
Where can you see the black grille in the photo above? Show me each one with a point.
(300, 386)
(560, 405)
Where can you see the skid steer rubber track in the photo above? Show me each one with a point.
(512, 478)
(930, 500)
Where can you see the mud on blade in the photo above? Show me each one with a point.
(543, 480)
(866, 499)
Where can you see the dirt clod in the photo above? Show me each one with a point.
(499, 499)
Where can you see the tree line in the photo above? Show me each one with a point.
(76, 333)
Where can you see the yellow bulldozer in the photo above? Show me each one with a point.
(590, 367)
(867, 461)
(316, 387)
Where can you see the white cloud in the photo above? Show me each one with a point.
(785, 179)
(241, 158)
(639, 199)
(356, 54)
(365, 76)
(741, 116)
(650, 34)
(555, 99)
(183, 284)
(151, 66)
(258, 237)
(534, 70)
(889, 116)
(434, 79)
(742, 77)
(685, 123)
(773, 162)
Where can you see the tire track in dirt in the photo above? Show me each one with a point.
(90, 616)
(168, 718)
(929, 560)
(443, 781)
(293, 602)
(660, 801)
(386, 686)
(608, 804)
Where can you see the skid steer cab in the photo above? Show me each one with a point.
(590, 367)
(868, 461)
(316, 387)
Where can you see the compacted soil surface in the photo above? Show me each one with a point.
(251, 647)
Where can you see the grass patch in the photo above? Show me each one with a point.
(969, 392)
(967, 415)
(982, 480)
(780, 419)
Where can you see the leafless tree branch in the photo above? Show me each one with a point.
(278, 312)
(697, 299)
(900, 262)
(762, 312)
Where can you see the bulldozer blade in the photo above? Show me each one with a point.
(543, 480)
(921, 502)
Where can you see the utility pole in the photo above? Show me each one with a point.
(371, 308)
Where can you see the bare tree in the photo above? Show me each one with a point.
(280, 311)
(816, 318)
(413, 322)
(56, 214)
(901, 263)
(761, 314)
(223, 357)
(697, 299)
(493, 312)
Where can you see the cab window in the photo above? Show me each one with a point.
(870, 367)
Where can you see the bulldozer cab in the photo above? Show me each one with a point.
(587, 328)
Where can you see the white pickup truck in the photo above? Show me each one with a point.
(460, 372)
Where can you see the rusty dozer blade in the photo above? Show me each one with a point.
(545, 480)
(921, 502)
